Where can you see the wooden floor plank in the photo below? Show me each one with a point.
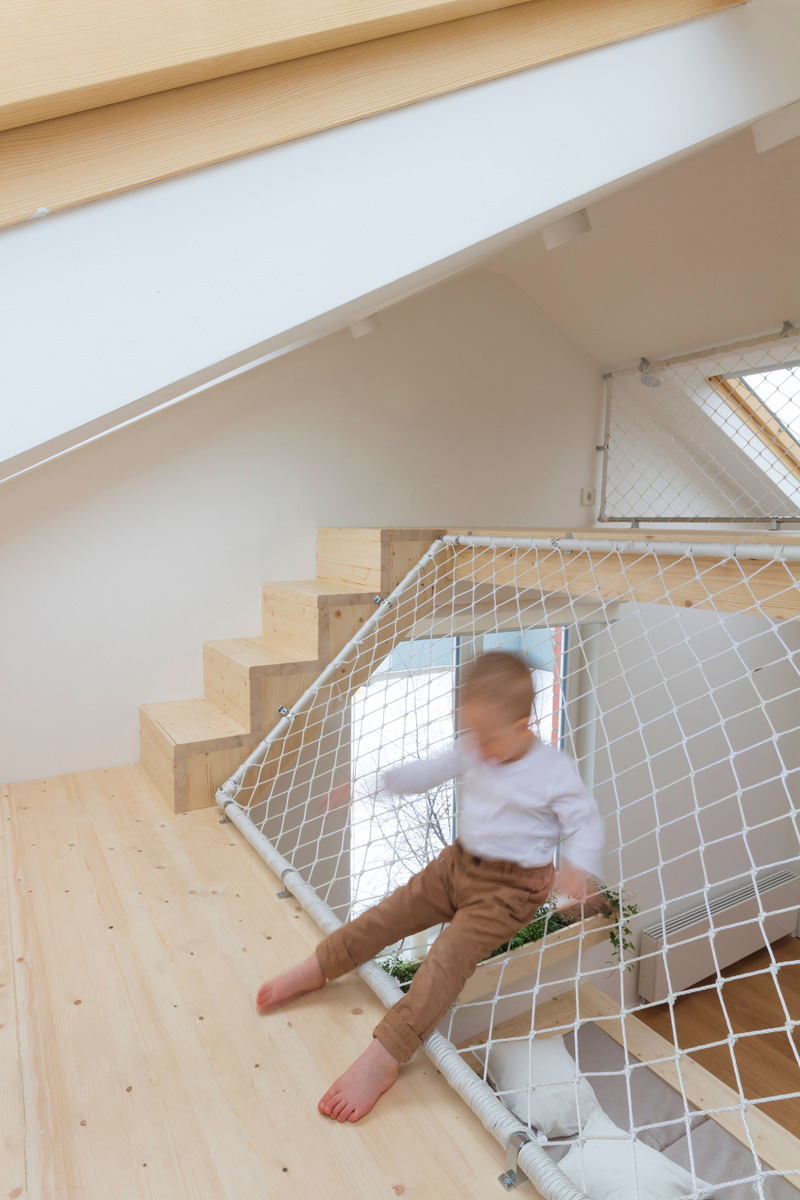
(162, 927)
(128, 1102)
(12, 1114)
(308, 1046)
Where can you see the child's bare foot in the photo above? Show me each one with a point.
(355, 1092)
(307, 977)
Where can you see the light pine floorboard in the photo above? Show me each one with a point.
(132, 1061)
(12, 1116)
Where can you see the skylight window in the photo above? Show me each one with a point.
(768, 404)
(779, 391)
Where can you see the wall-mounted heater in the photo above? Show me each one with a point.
(730, 919)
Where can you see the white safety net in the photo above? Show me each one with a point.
(671, 673)
(709, 437)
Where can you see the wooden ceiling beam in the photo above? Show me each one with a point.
(63, 56)
(56, 164)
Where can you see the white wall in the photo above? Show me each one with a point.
(696, 740)
(467, 406)
(114, 302)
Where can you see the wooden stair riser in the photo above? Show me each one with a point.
(290, 623)
(377, 559)
(281, 691)
(206, 772)
(188, 777)
(229, 687)
(351, 556)
(252, 695)
(158, 757)
(311, 629)
(403, 553)
(339, 623)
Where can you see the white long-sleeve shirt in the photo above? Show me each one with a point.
(517, 811)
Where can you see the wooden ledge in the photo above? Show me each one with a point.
(75, 158)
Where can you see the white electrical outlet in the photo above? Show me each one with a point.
(587, 497)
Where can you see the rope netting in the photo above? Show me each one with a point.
(671, 673)
(713, 436)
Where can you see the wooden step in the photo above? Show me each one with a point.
(248, 680)
(312, 620)
(189, 748)
(375, 559)
(352, 556)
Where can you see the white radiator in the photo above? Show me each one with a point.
(687, 946)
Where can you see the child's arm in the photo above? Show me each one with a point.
(583, 833)
(424, 774)
(410, 778)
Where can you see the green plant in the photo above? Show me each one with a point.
(403, 969)
(548, 919)
(620, 912)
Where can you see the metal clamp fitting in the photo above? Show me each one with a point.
(513, 1176)
(284, 893)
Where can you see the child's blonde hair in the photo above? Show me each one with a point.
(502, 680)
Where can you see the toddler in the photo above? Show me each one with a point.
(519, 798)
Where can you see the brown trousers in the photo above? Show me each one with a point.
(486, 903)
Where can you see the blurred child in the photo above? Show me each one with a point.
(519, 798)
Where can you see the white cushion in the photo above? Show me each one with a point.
(604, 1168)
(539, 1082)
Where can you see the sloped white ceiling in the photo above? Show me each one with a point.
(699, 253)
(121, 305)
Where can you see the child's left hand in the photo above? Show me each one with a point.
(572, 881)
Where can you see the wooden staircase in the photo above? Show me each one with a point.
(190, 747)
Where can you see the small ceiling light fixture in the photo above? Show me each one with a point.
(566, 230)
(365, 325)
(777, 127)
(646, 376)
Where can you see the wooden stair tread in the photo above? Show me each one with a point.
(195, 720)
(249, 652)
(308, 590)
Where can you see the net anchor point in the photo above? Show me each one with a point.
(284, 893)
(514, 1176)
